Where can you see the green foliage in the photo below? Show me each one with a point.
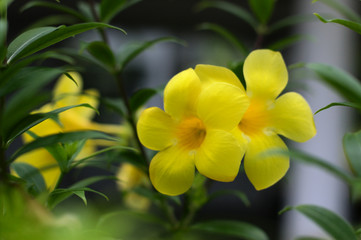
(262, 9)
(102, 52)
(352, 148)
(34, 180)
(355, 26)
(237, 229)
(331, 223)
(140, 98)
(344, 104)
(109, 8)
(33, 41)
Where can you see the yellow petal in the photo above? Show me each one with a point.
(220, 156)
(172, 171)
(155, 129)
(292, 117)
(90, 97)
(48, 166)
(65, 89)
(263, 167)
(265, 73)
(181, 93)
(43, 129)
(222, 105)
(209, 74)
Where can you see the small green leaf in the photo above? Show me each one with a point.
(343, 9)
(47, 37)
(352, 148)
(227, 35)
(102, 52)
(57, 6)
(230, 8)
(34, 180)
(133, 50)
(33, 119)
(140, 97)
(262, 9)
(333, 224)
(110, 8)
(288, 41)
(81, 195)
(60, 138)
(345, 104)
(117, 105)
(53, 20)
(242, 196)
(355, 26)
(237, 229)
(345, 84)
(290, 21)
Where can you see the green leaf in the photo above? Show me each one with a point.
(3, 34)
(117, 105)
(102, 52)
(133, 50)
(333, 224)
(140, 97)
(345, 104)
(237, 229)
(344, 83)
(57, 6)
(35, 42)
(262, 9)
(242, 196)
(34, 180)
(81, 195)
(25, 39)
(33, 119)
(352, 148)
(355, 26)
(110, 8)
(60, 138)
(227, 35)
(53, 20)
(307, 158)
(230, 8)
(288, 41)
(343, 9)
(290, 21)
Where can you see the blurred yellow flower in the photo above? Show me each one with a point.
(194, 130)
(268, 115)
(131, 177)
(65, 93)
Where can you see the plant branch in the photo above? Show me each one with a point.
(97, 19)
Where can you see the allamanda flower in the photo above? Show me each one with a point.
(267, 116)
(194, 130)
(66, 93)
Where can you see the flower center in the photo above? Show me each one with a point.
(256, 118)
(191, 133)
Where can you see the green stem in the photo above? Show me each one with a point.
(130, 116)
(168, 211)
(97, 19)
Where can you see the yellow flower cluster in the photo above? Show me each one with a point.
(210, 122)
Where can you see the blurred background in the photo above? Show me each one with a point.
(325, 43)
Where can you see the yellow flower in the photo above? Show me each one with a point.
(194, 130)
(268, 115)
(66, 93)
(131, 177)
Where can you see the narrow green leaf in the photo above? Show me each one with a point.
(237, 229)
(288, 41)
(41, 41)
(34, 180)
(25, 39)
(102, 52)
(81, 195)
(33, 119)
(110, 8)
(140, 97)
(227, 35)
(352, 148)
(60, 138)
(230, 8)
(355, 26)
(262, 9)
(333, 224)
(344, 83)
(53, 20)
(342, 8)
(242, 196)
(3, 34)
(290, 21)
(307, 158)
(345, 104)
(116, 105)
(133, 50)
(57, 6)
(88, 181)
